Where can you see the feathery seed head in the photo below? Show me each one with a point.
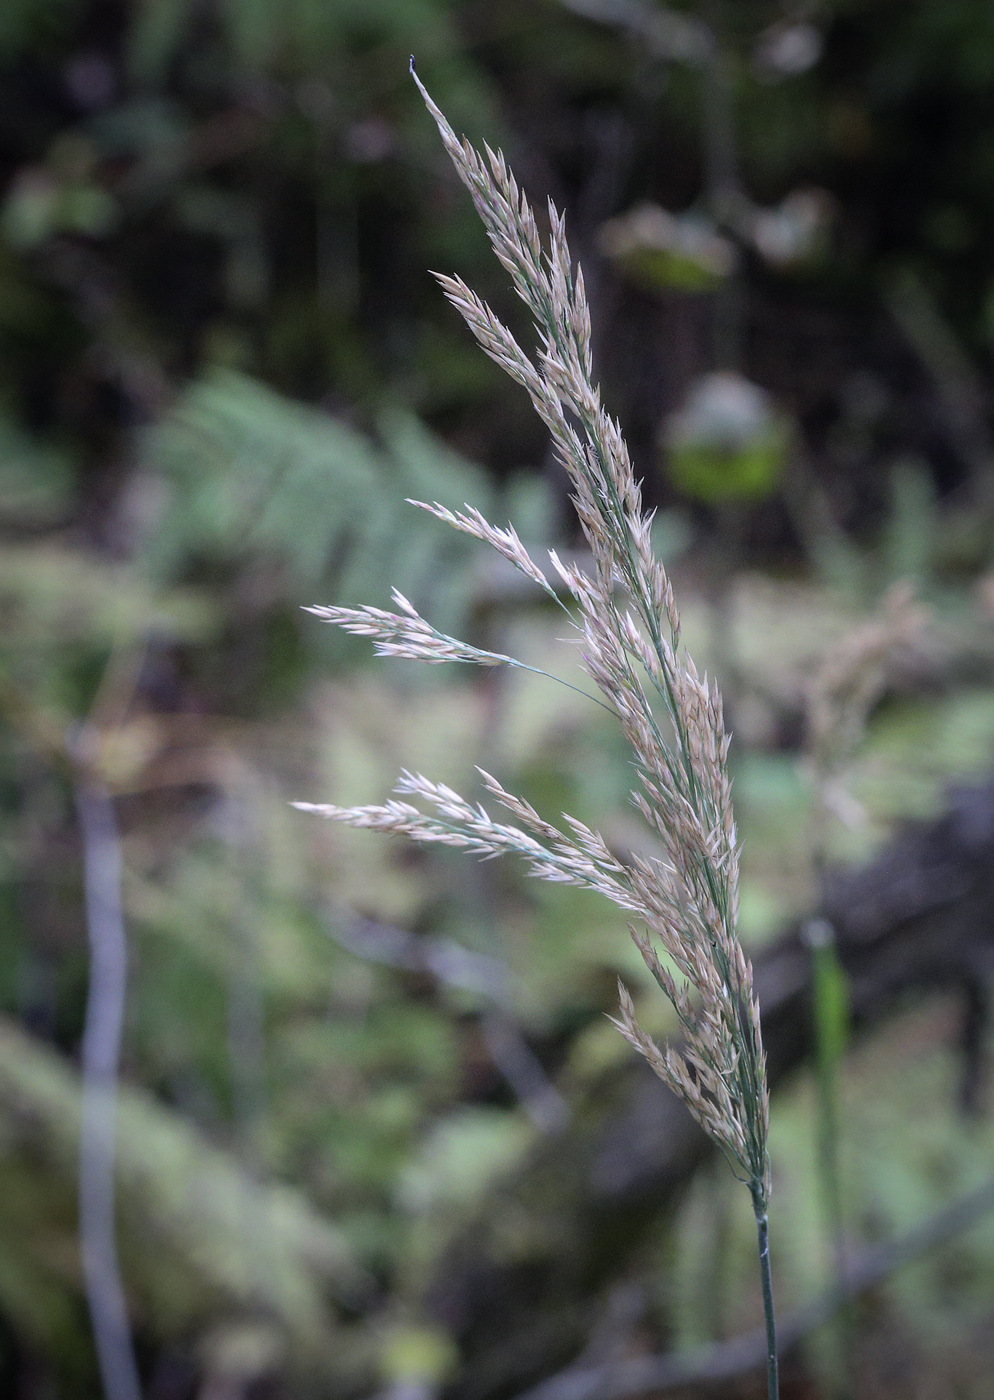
(684, 904)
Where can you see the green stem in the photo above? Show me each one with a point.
(831, 1190)
(537, 671)
(772, 1365)
(831, 1032)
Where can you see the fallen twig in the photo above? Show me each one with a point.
(101, 1058)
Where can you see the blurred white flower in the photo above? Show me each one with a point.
(791, 232)
(723, 409)
(727, 441)
(787, 49)
(669, 250)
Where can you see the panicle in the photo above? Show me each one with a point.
(685, 901)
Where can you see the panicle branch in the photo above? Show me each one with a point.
(506, 542)
(456, 822)
(406, 634)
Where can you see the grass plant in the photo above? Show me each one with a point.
(683, 903)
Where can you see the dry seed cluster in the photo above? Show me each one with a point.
(684, 905)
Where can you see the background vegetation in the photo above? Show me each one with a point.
(223, 366)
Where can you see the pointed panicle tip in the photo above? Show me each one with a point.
(413, 67)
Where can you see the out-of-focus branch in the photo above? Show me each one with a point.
(514, 1058)
(956, 382)
(102, 868)
(441, 958)
(104, 1019)
(725, 1361)
(665, 33)
(450, 963)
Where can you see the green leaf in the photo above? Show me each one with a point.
(831, 1005)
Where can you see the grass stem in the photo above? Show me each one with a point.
(772, 1363)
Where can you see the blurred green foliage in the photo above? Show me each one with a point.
(223, 366)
